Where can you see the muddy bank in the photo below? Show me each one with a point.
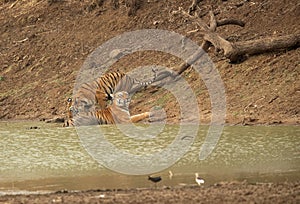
(228, 192)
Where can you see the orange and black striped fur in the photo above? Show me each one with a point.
(117, 112)
(96, 95)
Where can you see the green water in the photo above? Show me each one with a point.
(53, 158)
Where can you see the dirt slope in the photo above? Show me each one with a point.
(43, 46)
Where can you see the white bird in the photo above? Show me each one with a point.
(170, 174)
(198, 179)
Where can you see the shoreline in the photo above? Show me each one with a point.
(225, 192)
(53, 121)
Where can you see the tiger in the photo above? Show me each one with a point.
(116, 113)
(96, 95)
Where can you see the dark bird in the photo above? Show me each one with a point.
(154, 179)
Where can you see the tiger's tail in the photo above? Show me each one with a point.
(141, 85)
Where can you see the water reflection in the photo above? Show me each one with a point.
(52, 158)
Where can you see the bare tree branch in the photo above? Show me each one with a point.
(193, 6)
(233, 51)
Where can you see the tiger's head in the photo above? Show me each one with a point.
(121, 99)
(76, 105)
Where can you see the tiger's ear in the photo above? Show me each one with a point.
(69, 100)
(112, 96)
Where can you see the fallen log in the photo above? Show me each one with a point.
(236, 50)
